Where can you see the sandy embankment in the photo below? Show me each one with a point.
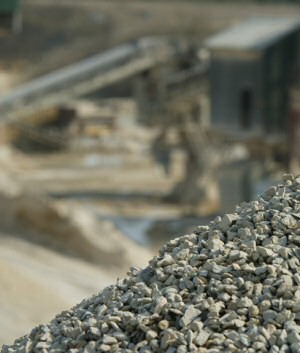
(53, 256)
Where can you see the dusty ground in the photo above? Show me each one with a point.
(40, 273)
(39, 279)
(36, 283)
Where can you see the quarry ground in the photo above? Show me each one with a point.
(37, 281)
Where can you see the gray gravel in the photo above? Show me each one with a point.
(232, 286)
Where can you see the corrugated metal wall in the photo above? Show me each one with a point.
(229, 78)
(281, 62)
(9, 6)
(266, 79)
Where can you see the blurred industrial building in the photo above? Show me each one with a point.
(233, 91)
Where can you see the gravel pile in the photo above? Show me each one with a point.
(233, 286)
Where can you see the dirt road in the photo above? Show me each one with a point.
(36, 283)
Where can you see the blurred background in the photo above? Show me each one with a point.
(124, 124)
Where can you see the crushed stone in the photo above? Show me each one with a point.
(230, 287)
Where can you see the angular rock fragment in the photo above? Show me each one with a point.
(231, 287)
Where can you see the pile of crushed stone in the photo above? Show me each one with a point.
(233, 286)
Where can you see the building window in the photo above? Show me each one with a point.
(246, 107)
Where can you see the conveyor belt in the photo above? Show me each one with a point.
(85, 76)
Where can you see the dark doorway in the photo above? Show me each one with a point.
(245, 107)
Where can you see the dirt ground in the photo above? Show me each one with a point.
(36, 283)
(40, 273)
